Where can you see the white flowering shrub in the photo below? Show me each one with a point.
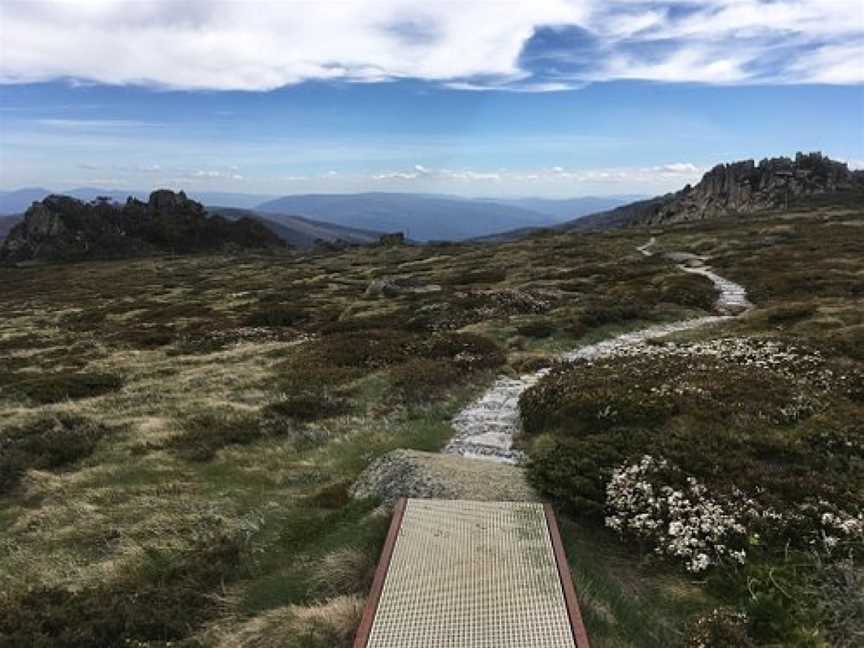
(685, 524)
(688, 525)
(719, 628)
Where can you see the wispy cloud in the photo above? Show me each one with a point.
(95, 124)
(675, 171)
(200, 44)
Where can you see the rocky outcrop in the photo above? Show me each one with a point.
(391, 240)
(409, 473)
(746, 187)
(395, 286)
(60, 228)
(738, 188)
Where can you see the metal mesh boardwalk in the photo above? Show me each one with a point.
(459, 574)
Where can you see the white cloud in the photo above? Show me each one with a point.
(253, 45)
(675, 172)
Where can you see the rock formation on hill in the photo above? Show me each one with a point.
(737, 188)
(745, 187)
(60, 228)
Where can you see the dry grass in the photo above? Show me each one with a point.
(328, 624)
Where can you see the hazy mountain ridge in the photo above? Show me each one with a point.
(565, 209)
(61, 228)
(422, 217)
(299, 231)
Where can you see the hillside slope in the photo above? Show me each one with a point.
(299, 231)
(566, 209)
(421, 217)
(60, 228)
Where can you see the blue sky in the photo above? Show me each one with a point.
(558, 99)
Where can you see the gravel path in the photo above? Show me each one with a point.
(485, 429)
(646, 249)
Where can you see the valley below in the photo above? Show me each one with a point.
(202, 450)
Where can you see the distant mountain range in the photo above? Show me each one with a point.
(425, 217)
(299, 231)
(422, 217)
(565, 209)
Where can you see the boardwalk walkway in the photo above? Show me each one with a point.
(460, 574)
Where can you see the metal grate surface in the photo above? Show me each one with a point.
(472, 575)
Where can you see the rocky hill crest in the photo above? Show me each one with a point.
(60, 228)
(738, 188)
(746, 187)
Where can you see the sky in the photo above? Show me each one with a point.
(553, 98)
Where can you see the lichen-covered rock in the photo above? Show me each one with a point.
(409, 473)
(393, 286)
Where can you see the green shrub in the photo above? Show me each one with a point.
(835, 596)
(151, 337)
(275, 316)
(302, 374)
(688, 290)
(402, 319)
(378, 349)
(165, 598)
(305, 409)
(47, 443)
(204, 435)
(467, 277)
(332, 497)
(781, 315)
(372, 349)
(56, 387)
(603, 313)
(422, 379)
(778, 432)
(538, 329)
(468, 351)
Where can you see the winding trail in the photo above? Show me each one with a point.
(646, 249)
(485, 429)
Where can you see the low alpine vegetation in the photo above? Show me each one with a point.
(725, 457)
(48, 442)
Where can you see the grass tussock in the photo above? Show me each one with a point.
(47, 442)
(327, 624)
(55, 387)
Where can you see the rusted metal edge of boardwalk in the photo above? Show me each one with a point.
(464, 574)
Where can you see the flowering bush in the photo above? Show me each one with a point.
(720, 628)
(768, 434)
(686, 523)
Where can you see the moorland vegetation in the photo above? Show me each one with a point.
(178, 435)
